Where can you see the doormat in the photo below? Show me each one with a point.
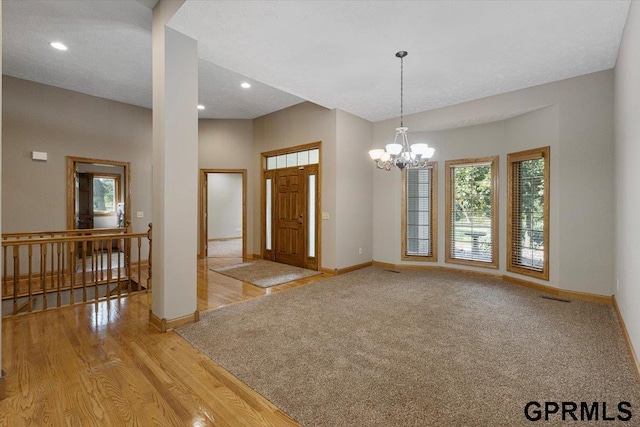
(265, 273)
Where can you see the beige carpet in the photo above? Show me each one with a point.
(265, 273)
(377, 348)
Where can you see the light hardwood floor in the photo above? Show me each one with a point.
(102, 364)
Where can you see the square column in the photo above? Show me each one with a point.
(175, 173)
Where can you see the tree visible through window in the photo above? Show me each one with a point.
(105, 194)
(528, 221)
(472, 211)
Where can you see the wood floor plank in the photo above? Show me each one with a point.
(101, 364)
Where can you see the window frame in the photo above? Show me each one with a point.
(449, 166)
(116, 177)
(512, 158)
(433, 217)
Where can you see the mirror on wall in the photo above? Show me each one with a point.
(97, 194)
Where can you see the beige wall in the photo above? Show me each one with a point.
(354, 192)
(300, 124)
(2, 386)
(577, 122)
(228, 144)
(63, 123)
(627, 146)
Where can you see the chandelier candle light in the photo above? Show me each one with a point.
(400, 153)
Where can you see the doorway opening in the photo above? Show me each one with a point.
(98, 193)
(99, 197)
(290, 195)
(223, 218)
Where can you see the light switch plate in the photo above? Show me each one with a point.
(325, 215)
(140, 214)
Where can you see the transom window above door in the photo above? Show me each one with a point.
(299, 158)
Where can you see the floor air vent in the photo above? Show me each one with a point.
(391, 271)
(554, 298)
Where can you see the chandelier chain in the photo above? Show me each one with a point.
(399, 153)
(401, 91)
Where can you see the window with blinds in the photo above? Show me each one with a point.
(419, 214)
(528, 213)
(472, 211)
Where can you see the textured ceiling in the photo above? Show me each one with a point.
(109, 46)
(220, 92)
(339, 54)
(109, 56)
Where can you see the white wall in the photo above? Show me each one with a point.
(627, 153)
(577, 122)
(354, 192)
(175, 167)
(224, 205)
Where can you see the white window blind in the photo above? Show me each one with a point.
(472, 212)
(419, 212)
(528, 222)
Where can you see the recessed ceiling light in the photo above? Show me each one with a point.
(200, 107)
(58, 45)
(245, 85)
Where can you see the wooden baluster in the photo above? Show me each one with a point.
(94, 264)
(150, 237)
(71, 247)
(53, 263)
(58, 273)
(5, 277)
(83, 254)
(109, 272)
(119, 278)
(127, 255)
(62, 272)
(30, 304)
(127, 261)
(43, 274)
(139, 263)
(16, 275)
(96, 246)
(100, 260)
(118, 266)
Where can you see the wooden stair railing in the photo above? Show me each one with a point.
(68, 267)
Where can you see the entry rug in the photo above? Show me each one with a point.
(265, 273)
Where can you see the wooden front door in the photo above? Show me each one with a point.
(289, 215)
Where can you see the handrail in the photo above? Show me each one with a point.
(72, 239)
(73, 266)
(27, 234)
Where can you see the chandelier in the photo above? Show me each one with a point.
(400, 153)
